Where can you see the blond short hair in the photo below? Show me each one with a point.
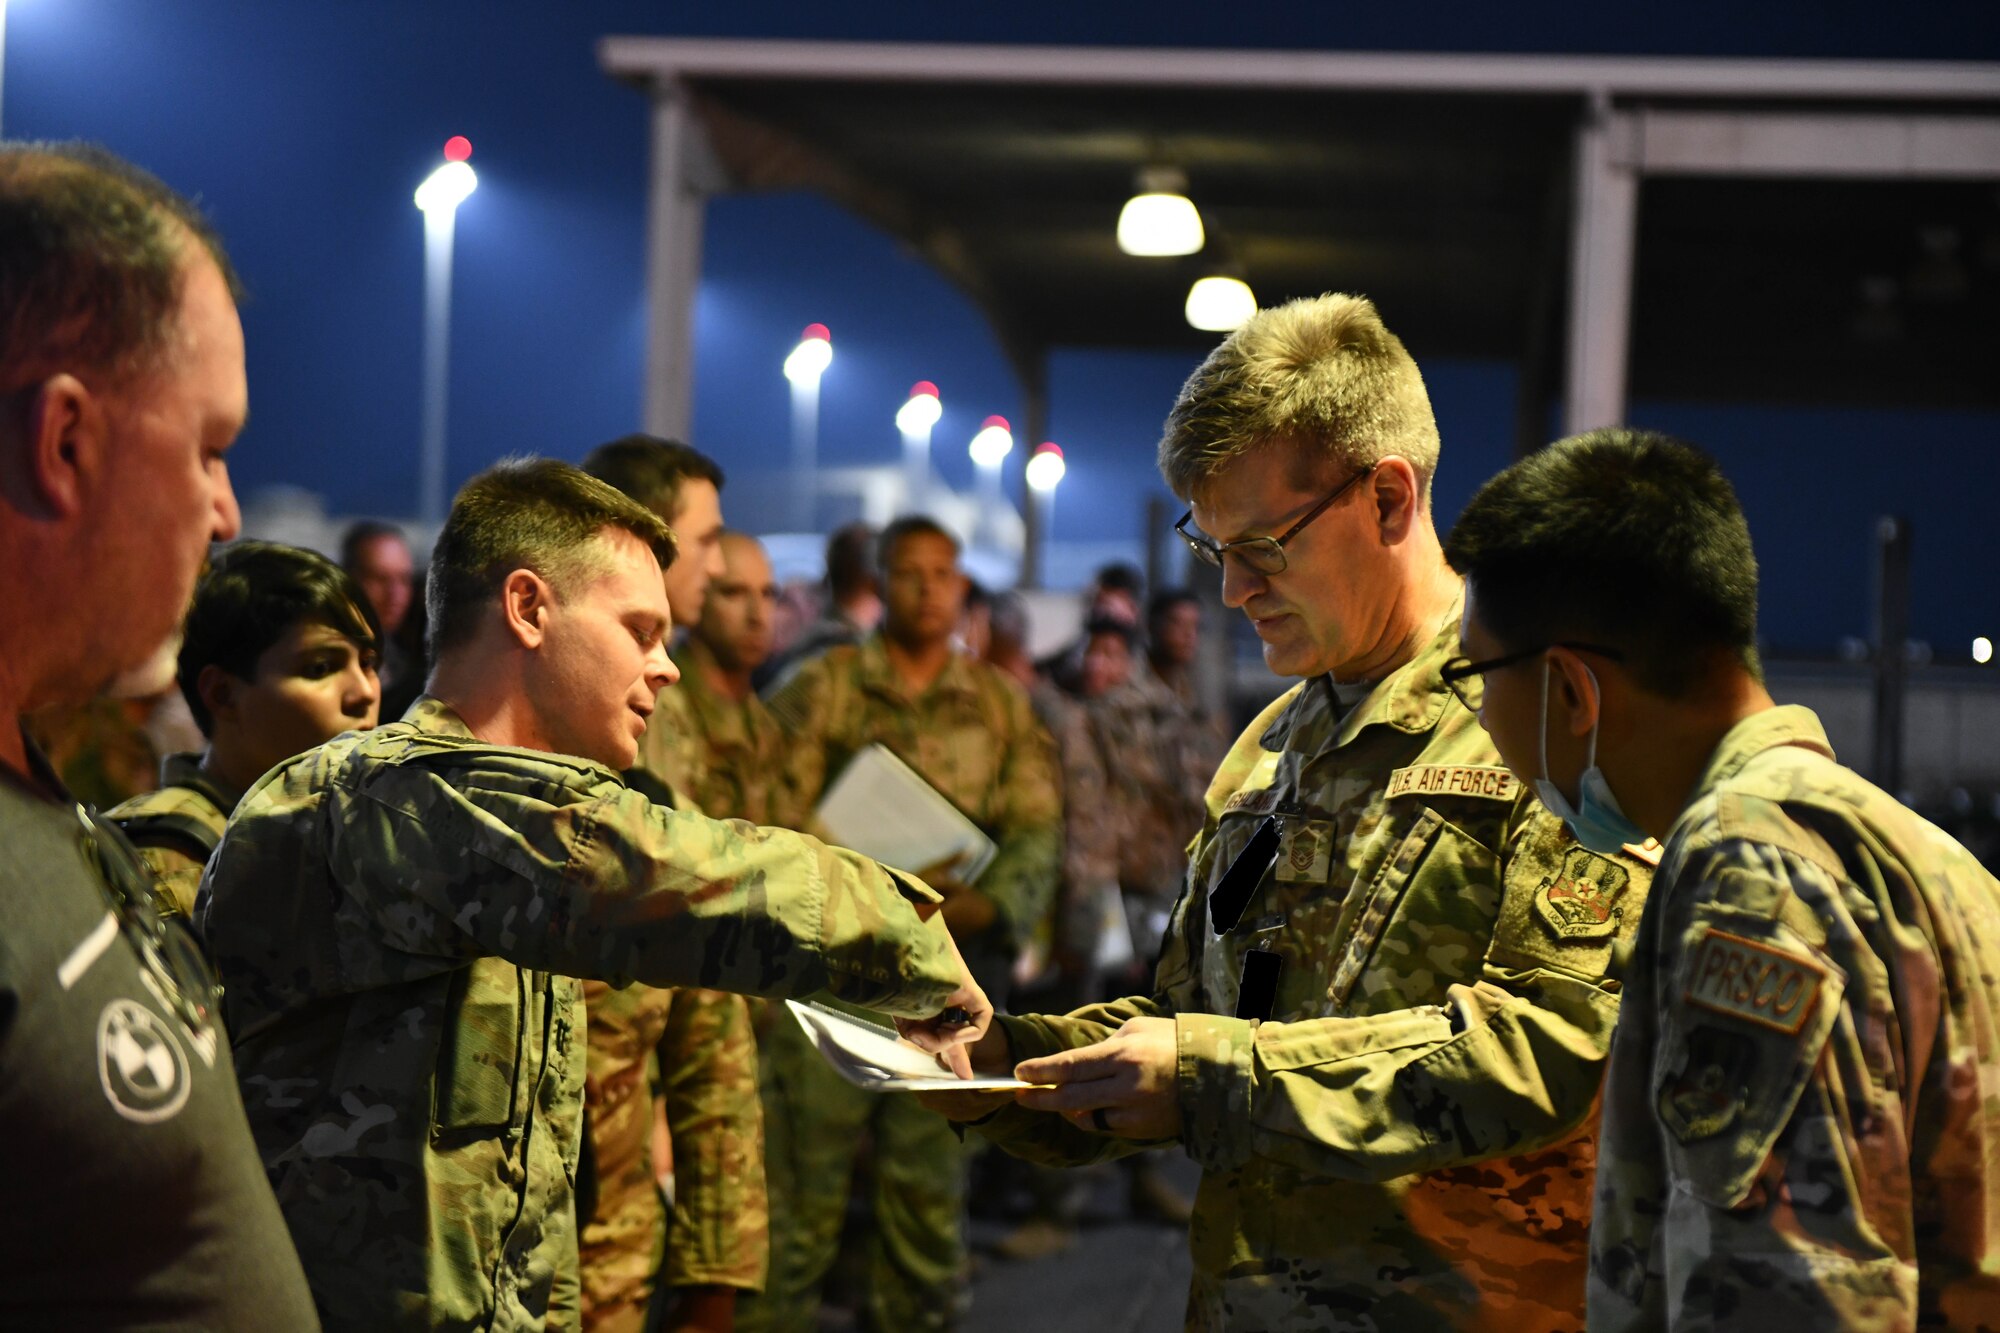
(1321, 372)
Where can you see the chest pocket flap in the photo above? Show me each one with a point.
(476, 1088)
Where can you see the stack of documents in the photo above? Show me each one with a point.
(880, 807)
(876, 1058)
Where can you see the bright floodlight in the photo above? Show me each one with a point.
(811, 357)
(1046, 467)
(922, 410)
(1160, 219)
(447, 187)
(1220, 304)
(993, 443)
(1982, 650)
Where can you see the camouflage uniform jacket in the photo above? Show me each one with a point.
(397, 916)
(176, 827)
(971, 735)
(707, 1066)
(701, 1049)
(1091, 826)
(1169, 746)
(1390, 966)
(1801, 1128)
(739, 766)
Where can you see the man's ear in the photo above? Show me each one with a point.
(1573, 690)
(1398, 497)
(525, 602)
(62, 446)
(218, 691)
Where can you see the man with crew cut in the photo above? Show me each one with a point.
(399, 915)
(1799, 1124)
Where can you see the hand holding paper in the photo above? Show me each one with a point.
(874, 1057)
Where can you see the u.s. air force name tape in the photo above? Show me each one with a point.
(1454, 780)
(1754, 982)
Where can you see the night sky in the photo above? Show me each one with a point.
(304, 127)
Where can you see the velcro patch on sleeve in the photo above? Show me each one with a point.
(1754, 982)
(1454, 780)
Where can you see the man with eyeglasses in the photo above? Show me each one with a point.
(1800, 1129)
(135, 1197)
(1382, 1010)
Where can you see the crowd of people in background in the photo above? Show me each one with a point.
(429, 981)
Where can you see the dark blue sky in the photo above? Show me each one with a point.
(305, 127)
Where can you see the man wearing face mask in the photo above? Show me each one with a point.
(278, 655)
(1374, 1023)
(1799, 1127)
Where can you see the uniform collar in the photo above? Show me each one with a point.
(879, 675)
(723, 720)
(1765, 730)
(185, 770)
(433, 715)
(1410, 699)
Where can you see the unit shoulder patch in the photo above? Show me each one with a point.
(1709, 1091)
(1755, 982)
(1581, 902)
(1489, 782)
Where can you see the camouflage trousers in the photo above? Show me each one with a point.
(814, 1124)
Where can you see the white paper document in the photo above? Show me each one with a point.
(876, 1058)
(880, 807)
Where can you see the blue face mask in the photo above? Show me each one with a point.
(1599, 825)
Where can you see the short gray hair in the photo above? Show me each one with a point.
(1321, 372)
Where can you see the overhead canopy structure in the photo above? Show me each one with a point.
(1808, 231)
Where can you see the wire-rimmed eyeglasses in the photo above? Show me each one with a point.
(1264, 555)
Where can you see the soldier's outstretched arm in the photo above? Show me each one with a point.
(558, 865)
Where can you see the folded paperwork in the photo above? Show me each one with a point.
(880, 807)
(876, 1058)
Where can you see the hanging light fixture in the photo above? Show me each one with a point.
(1160, 219)
(1220, 303)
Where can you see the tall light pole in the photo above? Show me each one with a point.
(439, 197)
(1045, 473)
(803, 368)
(915, 419)
(989, 449)
(3, 60)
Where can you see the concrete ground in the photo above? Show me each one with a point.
(1122, 1275)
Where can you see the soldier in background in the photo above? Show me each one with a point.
(1173, 744)
(696, 1049)
(398, 916)
(743, 765)
(1799, 1124)
(853, 608)
(277, 655)
(1380, 1049)
(968, 731)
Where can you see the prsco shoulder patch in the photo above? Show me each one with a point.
(1493, 783)
(1581, 903)
(1744, 979)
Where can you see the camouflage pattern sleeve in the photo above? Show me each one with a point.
(1758, 1078)
(1506, 1065)
(1021, 880)
(720, 1232)
(558, 866)
(801, 708)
